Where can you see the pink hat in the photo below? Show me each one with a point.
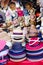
(33, 41)
(2, 44)
(38, 47)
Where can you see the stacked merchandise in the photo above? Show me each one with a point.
(17, 53)
(34, 52)
(34, 48)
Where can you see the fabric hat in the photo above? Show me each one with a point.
(17, 47)
(2, 44)
(17, 52)
(2, 17)
(34, 48)
(18, 60)
(34, 53)
(17, 35)
(33, 41)
(35, 58)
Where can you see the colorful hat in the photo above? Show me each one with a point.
(34, 48)
(17, 35)
(3, 51)
(17, 52)
(33, 41)
(35, 52)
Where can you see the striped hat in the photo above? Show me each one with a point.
(33, 41)
(17, 53)
(17, 35)
(3, 51)
(34, 52)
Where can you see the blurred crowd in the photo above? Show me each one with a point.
(13, 15)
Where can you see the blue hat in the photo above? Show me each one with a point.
(17, 52)
(17, 47)
(35, 57)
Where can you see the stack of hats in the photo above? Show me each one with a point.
(4, 49)
(17, 35)
(34, 50)
(17, 53)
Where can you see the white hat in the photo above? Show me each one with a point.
(17, 35)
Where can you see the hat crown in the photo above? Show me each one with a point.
(17, 46)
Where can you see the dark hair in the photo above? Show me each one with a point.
(28, 3)
(11, 3)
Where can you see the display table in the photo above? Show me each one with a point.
(26, 62)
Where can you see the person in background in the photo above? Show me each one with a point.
(11, 13)
(27, 12)
(40, 3)
(4, 5)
